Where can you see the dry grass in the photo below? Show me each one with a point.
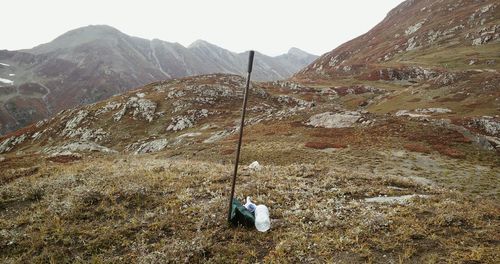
(124, 209)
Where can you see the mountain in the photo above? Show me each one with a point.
(452, 35)
(92, 63)
(428, 54)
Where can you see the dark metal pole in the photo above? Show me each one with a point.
(245, 99)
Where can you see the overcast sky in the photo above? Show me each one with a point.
(269, 26)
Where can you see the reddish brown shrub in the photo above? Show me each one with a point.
(416, 147)
(449, 151)
(64, 158)
(324, 145)
(227, 151)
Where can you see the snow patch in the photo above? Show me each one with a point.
(6, 81)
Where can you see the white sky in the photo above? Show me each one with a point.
(269, 26)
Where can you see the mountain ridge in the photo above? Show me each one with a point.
(92, 63)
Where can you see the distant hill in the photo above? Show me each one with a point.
(449, 34)
(92, 63)
(428, 53)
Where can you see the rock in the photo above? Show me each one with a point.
(194, 134)
(255, 166)
(476, 139)
(286, 99)
(41, 123)
(2, 158)
(141, 108)
(219, 135)
(118, 116)
(412, 29)
(148, 147)
(37, 135)
(144, 108)
(494, 141)
(9, 144)
(409, 114)
(488, 124)
(110, 106)
(404, 199)
(433, 110)
(334, 120)
(65, 153)
(180, 123)
(73, 123)
(79, 147)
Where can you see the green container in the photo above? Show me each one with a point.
(240, 216)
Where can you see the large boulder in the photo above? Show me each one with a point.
(334, 120)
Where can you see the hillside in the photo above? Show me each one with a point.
(355, 167)
(92, 63)
(144, 177)
(449, 35)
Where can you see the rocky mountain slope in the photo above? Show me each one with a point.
(92, 63)
(144, 176)
(426, 54)
(441, 35)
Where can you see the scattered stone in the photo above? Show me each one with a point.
(194, 134)
(255, 166)
(141, 107)
(110, 106)
(334, 120)
(80, 146)
(488, 124)
(9, 144)
(180, 123)
(219, 135)
(433, 110)
(404, 199)
(412, 29)
(64, 157)
(409, 114)
(73, 123)
(148, 147)
(476, 139)
(41, 123)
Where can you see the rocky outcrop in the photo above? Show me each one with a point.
(334, 120)
(9, 143)
(72, 124)
(217, 136)
(79, 146)
(182, 122)
(148, 147)
(139, 107)
(477, 139)
(487, 124)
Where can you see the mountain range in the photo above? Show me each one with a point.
(92, 63)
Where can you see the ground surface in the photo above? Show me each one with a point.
(171, 205)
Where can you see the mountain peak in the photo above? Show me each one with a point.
(200, 43)
(298, 52)
(79, 36)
